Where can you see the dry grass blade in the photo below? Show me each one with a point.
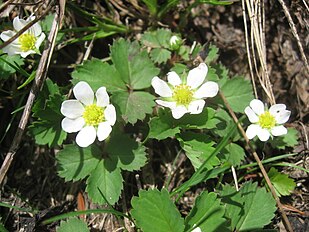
(38, 82)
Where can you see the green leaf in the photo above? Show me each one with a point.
(157, 39)
(238, 93)
(198, 148)
(288, 140)
(259, 208)
(134, 66)
(234, 204)
(7, 70)
(2, 228)
(207, 214)
(281, 182)
(154, 211)
(98, 74)
(233, 154)
(133, 106)
(152, 6)
(75, 163)
(106, 181)
(125, 153)
(212, 54)
(73, 224)
(47, 128)
(160, 55)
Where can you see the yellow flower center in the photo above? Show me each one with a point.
(93, 115)
(266, 120)
(182, 94)
(27, 42)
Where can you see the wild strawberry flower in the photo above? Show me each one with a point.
(27, 43)
(266, 123)
(88, 116)
(185, 96)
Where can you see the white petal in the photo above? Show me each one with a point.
(12, 49)
(283, 117)
(83, 92)
(39, 41)
(251, 115)
(197, 229)
(6, 35)
(72, 109)
(197, 76)
(36, 29)
(25, 54)
(110, 114)
(263, 134)
(102, 97)
(279, 130)
(196, 107)
(72, 125)
(257, 106)
(209, 89)
(86, 136)
(104, 129)
(277, 108)
(179, 111)
(161, 87)
(173, 78)
(252, 131)
(18, 23)
(171, 105)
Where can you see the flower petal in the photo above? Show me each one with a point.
(86, 136)
(275, 109)
(110, 114)
(12, 49)
(209, 89)
(179, 111)
(251, 115)
(283, 117)
(104, 129)
(102, 97)
(161, 87)
(25, 54)
(40, 40)
(257, 106)
(280, 113)
(72, 125)
(252, 131)
(36, 29)
(279, 130)
(173, 78)
(18, 23)
(196, 107)
(197, 76)
(6, 35)
(171, 105)
(72, 109)
(263, 134)
(83, 92)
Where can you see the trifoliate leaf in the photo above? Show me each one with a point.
(281, 182)
(157, 39)
(212, 54)
(104, 184)
(75, 163)
(259, 208)
(154, 211)
(233, 154)
(238, 93)
(98, 74)
(73, 224)
(5, 69)
(133, 106)
(160, 55)
(198, 149)
(288, 140)
(207, 214)
(133, 65)
(125, 153)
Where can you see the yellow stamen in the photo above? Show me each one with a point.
(266, 120)
(27, 42)
(93, 115)
(183, 94)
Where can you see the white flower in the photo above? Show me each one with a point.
(266, 123)
(92, 118)
(185, 97)
(27, 43)
(197, 229)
